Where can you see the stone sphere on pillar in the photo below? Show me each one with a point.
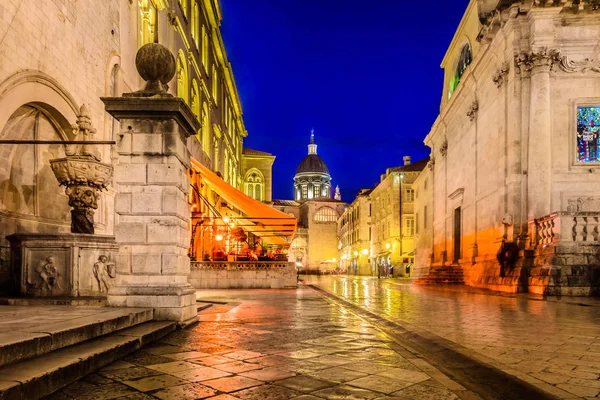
(156, 65)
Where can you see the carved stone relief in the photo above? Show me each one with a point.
(473, 109)
(543, 59)
(431, 163)
(48, 275)
(105, 272)
(501, 75)
(583, 204)
(444, 148)
(582, 66)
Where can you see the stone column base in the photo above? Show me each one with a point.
(170, 303)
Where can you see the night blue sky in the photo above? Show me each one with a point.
(365, 75)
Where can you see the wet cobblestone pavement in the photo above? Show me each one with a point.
(269, 345)
(554, 344)
(415, 343)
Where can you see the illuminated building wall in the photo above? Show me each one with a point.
(57, 57)
(393, 217)
(516, 140)
(257, 174)
(354, 241)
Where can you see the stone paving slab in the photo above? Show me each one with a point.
(273, 345)
(548, 342)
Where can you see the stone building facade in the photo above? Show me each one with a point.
(257, 174)
(314, 245)
(423, 185)
(354, 236)
(56, 56)
(515, 178)
(393, 218)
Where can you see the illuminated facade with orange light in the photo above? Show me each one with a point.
(515, 149)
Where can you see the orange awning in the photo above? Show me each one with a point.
(269, 224)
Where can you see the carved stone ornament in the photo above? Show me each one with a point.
(501, 75)
(543, 59)
(431, 164)
(83, 175)
(582, 66)
(507, 219)
(444, 148)
(48, 275)
(472, 111)
(105, 272)
(589, 204)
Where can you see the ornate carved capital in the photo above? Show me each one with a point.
(473, 109)
(444, 148)
(501, 75)
(542, 60)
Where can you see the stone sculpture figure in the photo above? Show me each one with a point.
(48, 273)
(104, 271)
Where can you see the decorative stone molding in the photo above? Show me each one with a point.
(580, 204)
(473, 109)
(444, 148)
(582, 66)
(542, 60)
(501, 75)
(456, 194)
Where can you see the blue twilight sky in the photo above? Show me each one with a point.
(365, 75)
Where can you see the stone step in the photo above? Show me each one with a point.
(39, 377)
(37, 339)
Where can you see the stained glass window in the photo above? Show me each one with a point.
(588, 142)
(463, 62)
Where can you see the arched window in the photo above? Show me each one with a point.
(205, 130)
(182, 78)
(204, 48)
(326, 214)
(146, 22)
(463, 62)
(254, 183)
(215, 84)
(196, 106)
(195, 24)
(216, 154)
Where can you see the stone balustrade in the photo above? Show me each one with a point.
(564, 227)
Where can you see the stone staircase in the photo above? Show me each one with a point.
(443, 275)
(38, 359)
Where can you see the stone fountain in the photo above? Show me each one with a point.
(80, 263)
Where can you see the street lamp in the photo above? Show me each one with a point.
(387, 246)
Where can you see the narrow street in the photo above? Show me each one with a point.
(375, 339)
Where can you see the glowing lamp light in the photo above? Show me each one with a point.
(365, 252)
(226, 220)
(387, 246)
(232, 224)
(334, 259)
(355, 253)
(218, 238)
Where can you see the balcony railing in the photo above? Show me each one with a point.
(581, 227)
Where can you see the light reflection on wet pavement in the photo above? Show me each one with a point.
(269, 345)
(553, 343)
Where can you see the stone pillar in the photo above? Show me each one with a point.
(152, 214)
(539, 178)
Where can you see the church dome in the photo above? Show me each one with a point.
(312, 163)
